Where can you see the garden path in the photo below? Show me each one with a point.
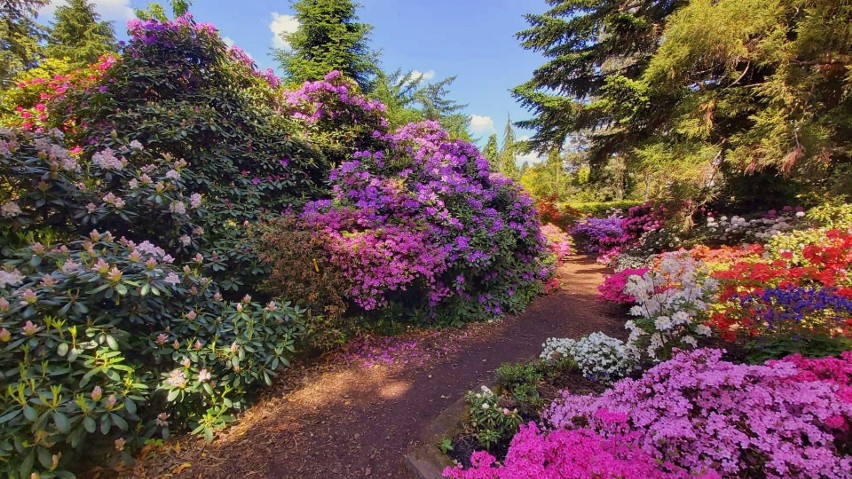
(340, 418)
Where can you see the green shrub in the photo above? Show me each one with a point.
(491, 424)
(106, 343)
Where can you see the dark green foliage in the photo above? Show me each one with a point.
(187, 96)
(329, 38)
(592, 47)
(509, 151)
(78, 34)
(20, 37)
(491, 152)
(681, 98)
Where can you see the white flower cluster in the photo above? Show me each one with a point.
(10, 278)
(107, 160)
(671, 302)
(628, 261)
(754, 229)
(600, 357)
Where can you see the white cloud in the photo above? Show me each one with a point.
(118, 11)
(428, 75)
(228, 41)
(531, 158)
(481, 124)
(282, 24)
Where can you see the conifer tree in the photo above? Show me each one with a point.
(490, 152)
(508, 166)
(79, 35)
(20, 37)
(329, 38)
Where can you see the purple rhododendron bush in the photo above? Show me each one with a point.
(694, 415)
(424, 225)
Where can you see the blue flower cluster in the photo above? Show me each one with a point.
(782, 304)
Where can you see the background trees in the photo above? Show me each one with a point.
(20, 37)
(79, 35)
(329, 38)
(689, 96)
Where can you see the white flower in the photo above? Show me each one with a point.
(10, 209)
(9, 278)
(485, 405)
(135, 145)
(663, 323)
(703, 330)
(107, 160)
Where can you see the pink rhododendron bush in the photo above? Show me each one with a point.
(695, 415)
(423, 224)
(416, 222)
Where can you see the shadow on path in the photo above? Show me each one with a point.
(349, 421)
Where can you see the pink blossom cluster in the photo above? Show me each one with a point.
(321, 99)
(424, 213)
(575, 454)
(558, 241)
(612, 288)
(778, 420)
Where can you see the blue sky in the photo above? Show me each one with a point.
(471, 39)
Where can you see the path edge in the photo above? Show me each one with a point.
(427, 461)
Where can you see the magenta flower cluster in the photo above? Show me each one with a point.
(423, 218)
(574, 454)
(607, 236)
(783, 419)
(612, 288)
(311, 102)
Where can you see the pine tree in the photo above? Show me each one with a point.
(20, 37)
(490, 152)
(508, 166)
(593, 48)
(329, 38)
(79, 35)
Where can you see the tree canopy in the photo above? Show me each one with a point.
(20, 37)
(329, 38)
(79, 35)
(691, 92)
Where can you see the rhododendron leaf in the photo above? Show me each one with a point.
(62, 349)
(30, 413)
(173, 394)
(61, 421)
(106, 424)
(89, 424)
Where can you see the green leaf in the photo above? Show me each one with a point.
(61, 421)
(130, 406)
(30, 413)
(89, 424)
(173, 394)
(27, 464)
(62, 349)
(106, 424)
(44, 457)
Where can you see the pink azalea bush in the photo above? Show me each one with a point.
(612, 288)
(570, 454)
(558, 241)
(782, 419)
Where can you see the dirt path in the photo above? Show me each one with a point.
(350, 421)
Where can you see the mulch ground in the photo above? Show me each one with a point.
(350, 418)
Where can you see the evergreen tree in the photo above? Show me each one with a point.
(79, 35)
(20, 37)
(508, 166)
(491, 152)
(329, 38)
(593, 48)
